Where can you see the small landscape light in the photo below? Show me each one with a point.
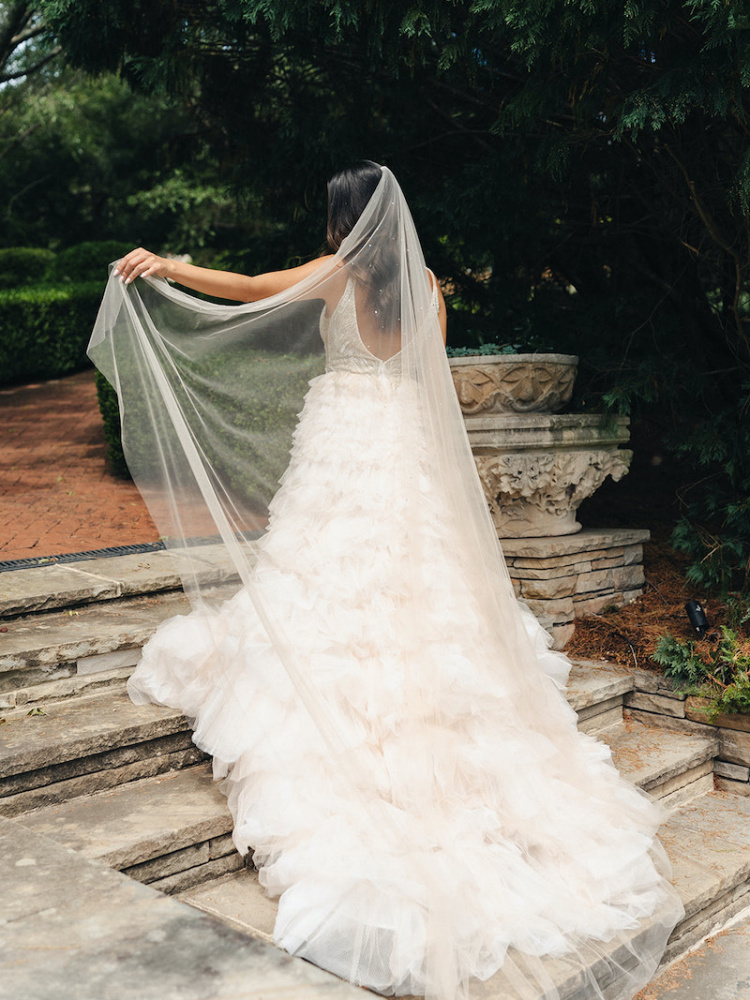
(697, 617)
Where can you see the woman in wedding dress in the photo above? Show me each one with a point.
(388, 721)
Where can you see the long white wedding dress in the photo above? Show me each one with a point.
(389, 722)
(535, 844)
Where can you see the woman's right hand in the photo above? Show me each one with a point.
(140, 263)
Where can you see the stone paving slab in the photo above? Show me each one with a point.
(100, 722)
(72, 928)
(42, 588)
(51, 587)
(103, 775)
(704, 866)
(718, 970)
(587, 540)
(239, 899)
(141, 820)
(708, 842)
(48, 639)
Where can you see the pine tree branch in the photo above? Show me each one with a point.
(6, 77)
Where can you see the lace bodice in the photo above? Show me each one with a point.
(345, 349)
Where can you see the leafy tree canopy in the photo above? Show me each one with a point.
(27, 46)
(580, 173)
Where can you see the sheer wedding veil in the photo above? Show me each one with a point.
(210, 396)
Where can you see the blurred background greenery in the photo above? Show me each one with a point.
(579, 174)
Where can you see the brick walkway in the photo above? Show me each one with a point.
(56, 493)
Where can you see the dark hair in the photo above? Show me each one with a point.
(348, 193)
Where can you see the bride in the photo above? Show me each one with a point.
(389, 722)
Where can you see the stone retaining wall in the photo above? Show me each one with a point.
(654, 695)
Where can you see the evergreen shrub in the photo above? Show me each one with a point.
(714, 527)
(44, 330)
(110, 411)
(20, 266)
(718, 672)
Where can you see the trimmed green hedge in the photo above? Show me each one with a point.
(48, 304)
(86, 261)
(44, 330)
(20, 266)
(110, 411)
(257, 426)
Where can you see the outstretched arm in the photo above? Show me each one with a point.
(140, 263)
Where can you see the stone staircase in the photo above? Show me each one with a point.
(124, 788)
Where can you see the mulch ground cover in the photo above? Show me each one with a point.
(648, 497)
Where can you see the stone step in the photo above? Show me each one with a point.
(732, 763)
(172, 830)
(173, 827)
(673, 767)
(718, 969)
(239, 900)
(706, 840)
(596, 691)
(56, 654)
(73, 929)
(78, 627)
(87, 744)
(65, 585)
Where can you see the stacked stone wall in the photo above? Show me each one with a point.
(566, 577)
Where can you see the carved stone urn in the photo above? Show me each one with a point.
(514, 383)
(536, 466)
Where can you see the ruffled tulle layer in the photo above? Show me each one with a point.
(449, 821)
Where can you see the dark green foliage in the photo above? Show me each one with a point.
(74, 152)
(680, 661)
(720, 672)
(27, 47)
(44, 330)
(261, 399)
(736, 697)
(485, 350)
(110, 412)
(85, 261)
(714, 528)
(579, 174)
(23, 265)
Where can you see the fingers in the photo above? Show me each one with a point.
(139, 263)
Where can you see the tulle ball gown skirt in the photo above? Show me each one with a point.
(424, 819)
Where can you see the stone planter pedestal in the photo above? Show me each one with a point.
(537, 469)
(537, 466)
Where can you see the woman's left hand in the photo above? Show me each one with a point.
(141, 263)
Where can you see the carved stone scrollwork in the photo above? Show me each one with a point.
(514, 383)
(533, 494)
